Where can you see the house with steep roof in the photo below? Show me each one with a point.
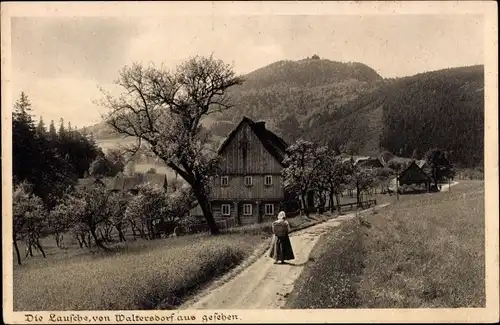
(364, 161)
(248, 187)
(369, 162)
(412, 174)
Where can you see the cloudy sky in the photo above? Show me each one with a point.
(59, 62)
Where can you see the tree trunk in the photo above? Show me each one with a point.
(303, 210)
(339, 207)
(120, 233)
(97, 241)
(80, 242)
(142, 234)
(56, 237)
(17, 252)
(132, 224)
(30, 250)
(107, 233)
(332, 204)
(103, 236)
(40, 248)
(202, 198)
(358, 198)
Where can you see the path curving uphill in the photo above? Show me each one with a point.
(263, 284)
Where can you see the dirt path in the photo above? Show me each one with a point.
(446, 187)
(263, 284)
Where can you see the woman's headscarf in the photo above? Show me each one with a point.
(281, 216)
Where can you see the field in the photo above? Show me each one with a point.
(156, 274)
(423, 251)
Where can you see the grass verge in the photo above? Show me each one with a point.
(425, 251)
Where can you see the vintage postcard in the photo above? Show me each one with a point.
(250, 162)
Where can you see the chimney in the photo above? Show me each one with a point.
(261, 124)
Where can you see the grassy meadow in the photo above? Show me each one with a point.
(137, 274)
(423, 251)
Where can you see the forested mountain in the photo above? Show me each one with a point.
(299, 88)
(407, 116)
(350, 105)
(287, 90)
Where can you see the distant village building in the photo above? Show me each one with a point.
(369, 162)
(412, 174)
(248, 188)
(125, 183)
(364, 161)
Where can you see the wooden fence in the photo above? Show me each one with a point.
(224, 224)
(343, 207)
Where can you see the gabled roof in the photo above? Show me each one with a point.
(273, 143)
(421, 163)
(414, 163)
(370, 161)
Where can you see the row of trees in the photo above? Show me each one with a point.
(96, 216)
(321, 169)
(47, 162)
(311, 167)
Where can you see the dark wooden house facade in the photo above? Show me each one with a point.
(248, 188)
(414, 175)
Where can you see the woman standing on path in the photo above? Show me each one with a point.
(281, 248)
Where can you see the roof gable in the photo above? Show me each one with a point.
(421, 163)
(274, 144)
(414, 172)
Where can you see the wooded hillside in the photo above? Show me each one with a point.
(407, 116)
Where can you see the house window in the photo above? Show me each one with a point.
(268, 180)
(224, 181)
(248, 180)
(247, 209)
(226, 209)
(269, 209)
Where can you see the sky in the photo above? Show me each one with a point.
(59, 62)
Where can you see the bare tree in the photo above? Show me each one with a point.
(163, 111)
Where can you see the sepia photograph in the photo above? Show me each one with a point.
(228, 162)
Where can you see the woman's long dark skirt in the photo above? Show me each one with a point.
(281, 249)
